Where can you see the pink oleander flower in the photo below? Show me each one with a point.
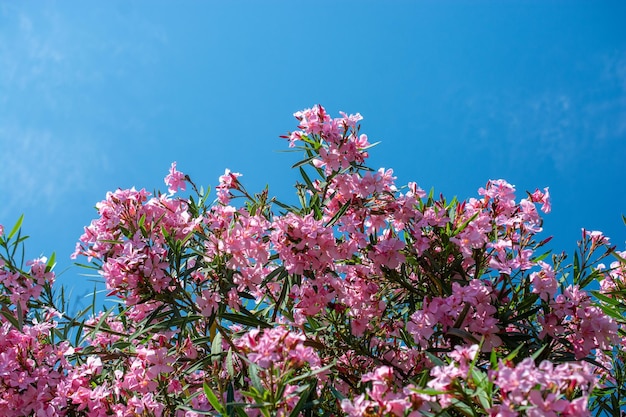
(421, 326)
(228, 181)
(543, 198)
(463, 356)
(175, 180)
(615, 277)
(597, 238)
(157, 361)
(208, 302)
(387, 251)
(544, 282)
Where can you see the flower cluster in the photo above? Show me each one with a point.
(544, 390)
(32, 371)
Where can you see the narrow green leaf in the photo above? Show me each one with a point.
(463, 225)
(622, 260)
(283, 205)
(240, 411)
(463, 335)
(576, 268)
(427, 391)
(304, 161)
(20, 316)
(195, 411)
(216, 347)
(11, 318)
(542, 256)
(608, 300)
(337, 394)
(253, 374)
(17, 226)
(230, 399)
(245, 320)
(280, 270)
(338, 215)
(434, 359)
(304, 398)
(51, 262)
(213, 400)
(309, 374)
(229, 363)
(308, 181)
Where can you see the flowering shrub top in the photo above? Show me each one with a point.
(366, 299)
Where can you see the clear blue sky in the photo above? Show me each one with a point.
(100, 95)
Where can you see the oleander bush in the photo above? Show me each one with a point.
(364, 299)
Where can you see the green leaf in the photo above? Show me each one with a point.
(229, 363)
(576, 268)
(193, 410)
(463, 407)
(304, 397)
(622, 260)
(230, 399)
(15, 228)
(463, 335)
(434, 359)
(463, 225)
(427, 391)
(542, 256)
(246, 320)
(338, 215)
(337, 394)
(513, 354)
(309, 374)
(51, 262)
(253, 374)
(308, 181)
(11, 318)
(608, 300)
(216, 347)
(280, 270)
(304, 161)
(213, 400)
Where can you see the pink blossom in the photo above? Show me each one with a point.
(544, 198)
(544, 282)
(208, 302)
(175, 180)
(597, 237)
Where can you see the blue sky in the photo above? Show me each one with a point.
(100, 95)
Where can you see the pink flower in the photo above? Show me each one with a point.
(464, 355)
(228, 182)
(544, 282)
(175, 180)
(421, 327)
(208, 302)
(387, 251)
(544, 198)
(358, 326)
(597, 237)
